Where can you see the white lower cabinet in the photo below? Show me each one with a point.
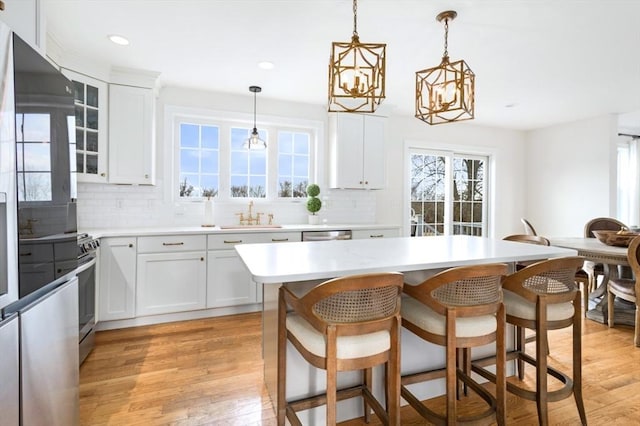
(117, 279)
(174, 278)
(229, 282)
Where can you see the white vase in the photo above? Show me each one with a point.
(314, 219)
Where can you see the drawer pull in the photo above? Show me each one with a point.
(130, 245)
(279, 240)
(25, 254)
(173, 244)
(232, 241)
(376, 236)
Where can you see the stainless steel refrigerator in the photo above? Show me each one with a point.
(39, 371)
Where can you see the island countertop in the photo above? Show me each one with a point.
(301, 261)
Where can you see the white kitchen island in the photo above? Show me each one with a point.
(300, 263)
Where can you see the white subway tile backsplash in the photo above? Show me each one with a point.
(122, 206)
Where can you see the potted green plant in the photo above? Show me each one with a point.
(313, 203)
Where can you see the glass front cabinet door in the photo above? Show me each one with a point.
(90, 127)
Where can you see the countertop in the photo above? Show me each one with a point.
(327, 259)
(198, 230)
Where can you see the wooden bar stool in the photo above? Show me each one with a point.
(344, 324)
(459, 308)
(543, 297)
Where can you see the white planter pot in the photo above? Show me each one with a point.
(314, 219)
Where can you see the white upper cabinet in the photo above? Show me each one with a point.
(26, 19)
(90, 97)
(357, 151)
(131, 135)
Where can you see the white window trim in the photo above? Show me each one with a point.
(450, 149)
(173, 114)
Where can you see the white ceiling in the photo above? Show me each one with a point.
(537, 62)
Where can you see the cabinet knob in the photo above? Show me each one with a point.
(366, 182)
(103, 174)
(360, 182)
(146, 176)
(130, 245)
(202, 259)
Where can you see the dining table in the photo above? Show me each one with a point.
(303, 265)
(613, 259)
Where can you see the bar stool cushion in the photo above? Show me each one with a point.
(349, 347)
(519, 307)
(427, 319)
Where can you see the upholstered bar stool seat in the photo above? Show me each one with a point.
(520, 307)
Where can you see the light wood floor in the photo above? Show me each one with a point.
(209, 372)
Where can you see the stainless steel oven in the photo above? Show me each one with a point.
(86, 273)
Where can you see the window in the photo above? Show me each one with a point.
(199, 160)
(447, 193)
(208, 159)
(293, 164)
(628, 206)
(248, 167)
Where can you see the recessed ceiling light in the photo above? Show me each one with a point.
(118, 39)
(266, 65)
(511, 105)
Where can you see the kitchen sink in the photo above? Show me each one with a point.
(250, 226)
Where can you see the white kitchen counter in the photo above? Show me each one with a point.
(297, 262)
(186, 230)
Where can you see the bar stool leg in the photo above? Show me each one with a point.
(282, 361)
(577, 365)
(541, 369)
(501, 363)
(367, 380)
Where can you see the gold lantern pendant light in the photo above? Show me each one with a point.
(445, 93)
(254, 141)
(356, 73)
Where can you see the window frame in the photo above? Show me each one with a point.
(225, 120)
(448, 150)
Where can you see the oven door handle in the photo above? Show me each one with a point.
(87, 264)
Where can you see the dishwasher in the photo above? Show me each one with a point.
(326, 235)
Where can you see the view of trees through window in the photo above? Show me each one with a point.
(447, 194)
(34, 156)
(293, 164)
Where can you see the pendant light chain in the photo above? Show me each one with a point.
(355, 18)
(446, 38)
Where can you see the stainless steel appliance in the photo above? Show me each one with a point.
(9, 327)
(326, 235)
(9, 372)
(38, 234)
(87, 248)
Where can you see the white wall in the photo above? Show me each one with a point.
(507, 147)
(571, 175)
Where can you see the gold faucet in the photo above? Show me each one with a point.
(250, 219)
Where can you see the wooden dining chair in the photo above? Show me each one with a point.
(544, 297)
(344, 324)
(528, 228)
(627, 289)
(459, 308)
(595, 270)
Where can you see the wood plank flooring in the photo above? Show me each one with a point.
(209, 372)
